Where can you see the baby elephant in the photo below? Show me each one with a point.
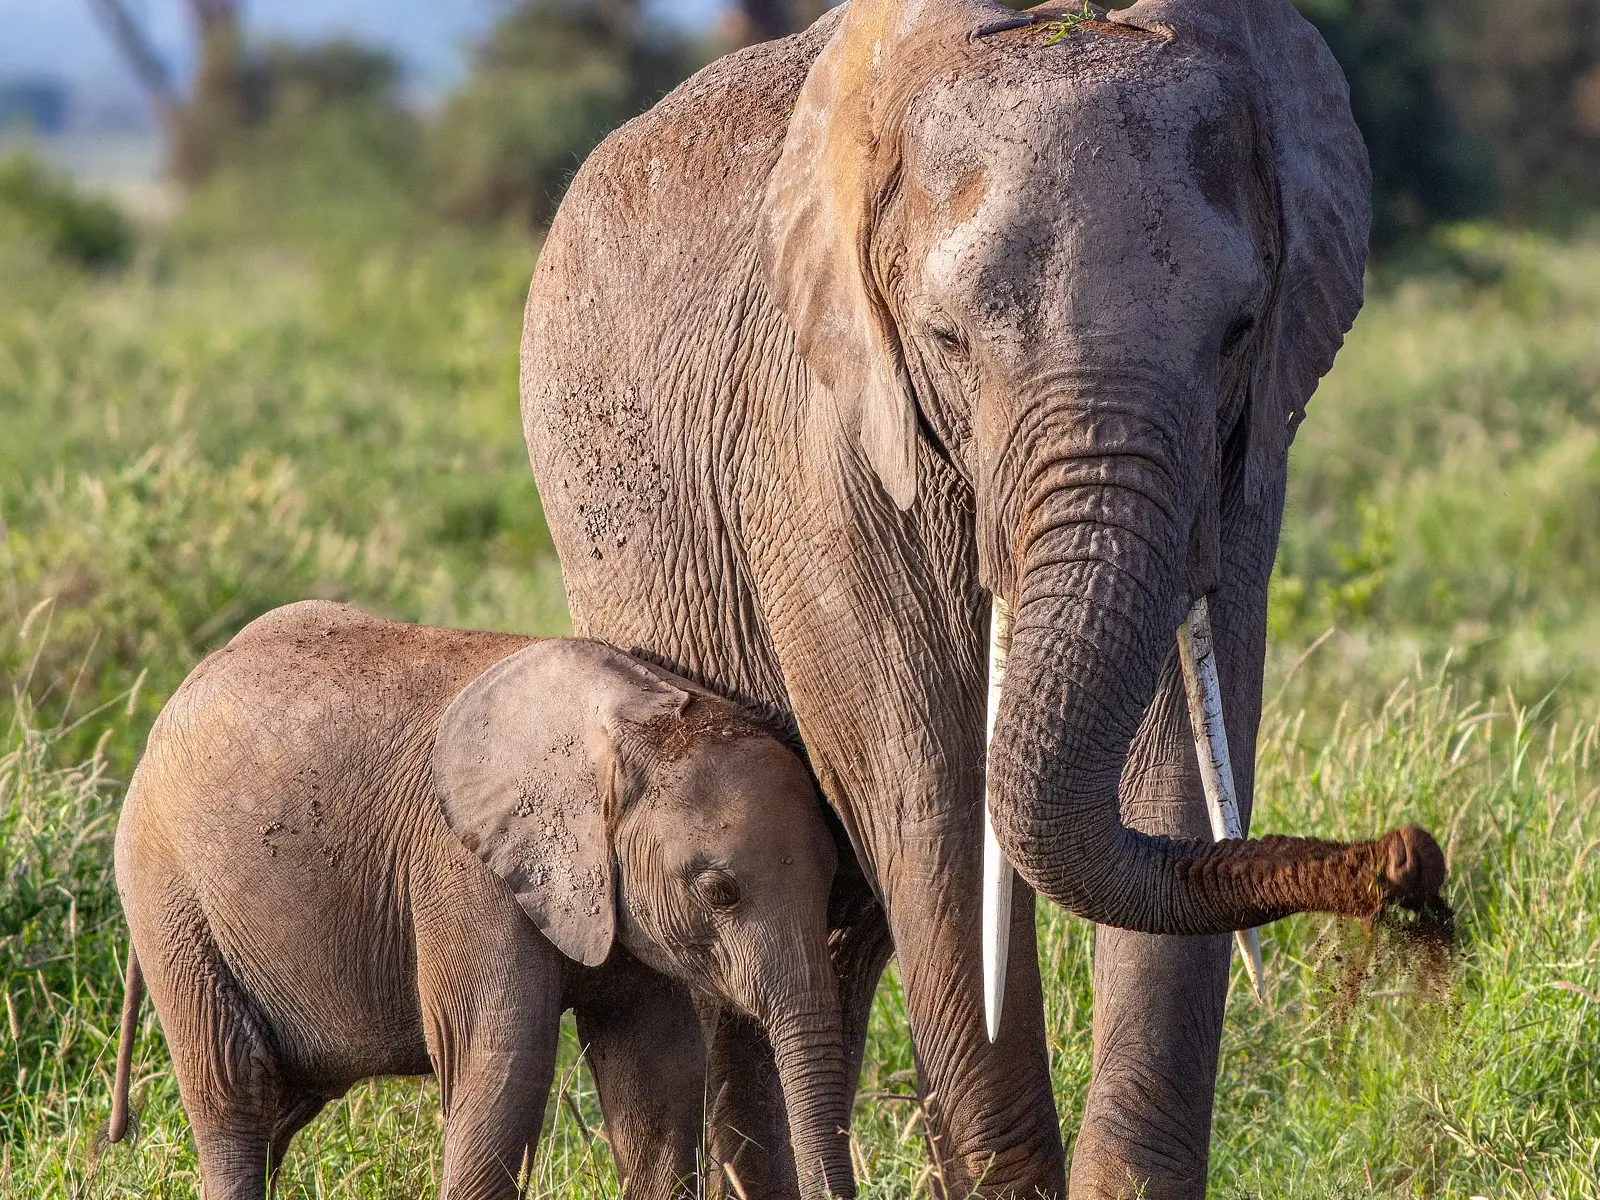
(302, 862)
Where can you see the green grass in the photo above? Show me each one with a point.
(1492, 1088)
(316, 395)
(1445, 487)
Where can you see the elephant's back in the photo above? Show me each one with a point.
(700, 147)
(285, 801)
(315, 721)
(652, 251)
(655, 367)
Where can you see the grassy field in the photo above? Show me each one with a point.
(316, 395)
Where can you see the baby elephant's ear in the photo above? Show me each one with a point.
(526, 764)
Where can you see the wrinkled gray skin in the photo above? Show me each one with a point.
(305, 917)
(861, 326)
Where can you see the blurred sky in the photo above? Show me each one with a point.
(63, 38)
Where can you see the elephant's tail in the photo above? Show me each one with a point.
(132, 994)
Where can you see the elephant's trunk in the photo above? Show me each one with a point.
(809, 1048)
(1098, 600)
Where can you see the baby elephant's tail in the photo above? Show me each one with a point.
(132, 994)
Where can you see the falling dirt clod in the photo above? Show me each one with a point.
(1412, 952)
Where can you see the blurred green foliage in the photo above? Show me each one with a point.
(321, 135)
(77, 228)
(1471, 106)
(295, 389)
(551, 79)
(1445, 489)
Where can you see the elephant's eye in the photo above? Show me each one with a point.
(1236, 332)
(717, 888)
(947, 339)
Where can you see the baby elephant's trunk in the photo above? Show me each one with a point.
(809, 1048)
(133, 993)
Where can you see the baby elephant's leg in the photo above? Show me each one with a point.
(641, 1037)
(491, 1007)
(241, 1147)
(294, 1114)
(231, 1084)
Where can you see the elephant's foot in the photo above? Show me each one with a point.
(1107, 1164)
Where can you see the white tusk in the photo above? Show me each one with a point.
(1201, 685)
(997, 872)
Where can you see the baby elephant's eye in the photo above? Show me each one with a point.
(718, 888)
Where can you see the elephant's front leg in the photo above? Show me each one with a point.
(642, 1039)
(896, 739)
(1158, 1001)
(992, 1125)
(988, 1110)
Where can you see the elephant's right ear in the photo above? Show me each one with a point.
(533, 763)
(820, 204)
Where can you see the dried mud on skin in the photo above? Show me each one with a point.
(1398, 952)
(704, 718)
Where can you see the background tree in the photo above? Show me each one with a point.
(196, 125)
(1525, 78)
(237, 88)
(547, 83)
(1471, 107)
(1425, 166)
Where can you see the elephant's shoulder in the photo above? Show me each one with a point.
(717, 134)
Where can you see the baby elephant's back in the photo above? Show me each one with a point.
(285, 794)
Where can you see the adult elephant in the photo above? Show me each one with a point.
(928, 303)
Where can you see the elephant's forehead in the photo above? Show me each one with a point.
(1031, 174)
(1032, 124)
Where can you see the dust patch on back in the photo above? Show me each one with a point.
(613, 469)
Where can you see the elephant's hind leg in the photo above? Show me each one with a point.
(228, 1072)
(293, 1116)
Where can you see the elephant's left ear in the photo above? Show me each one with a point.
(819, 209)
(1324, 185)
(533, 764)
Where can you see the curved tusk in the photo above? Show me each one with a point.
(1204, 692)
(997, 872)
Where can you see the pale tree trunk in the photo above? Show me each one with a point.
(197, 127)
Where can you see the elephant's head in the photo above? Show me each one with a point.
(1092, 272)
(621, 804)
